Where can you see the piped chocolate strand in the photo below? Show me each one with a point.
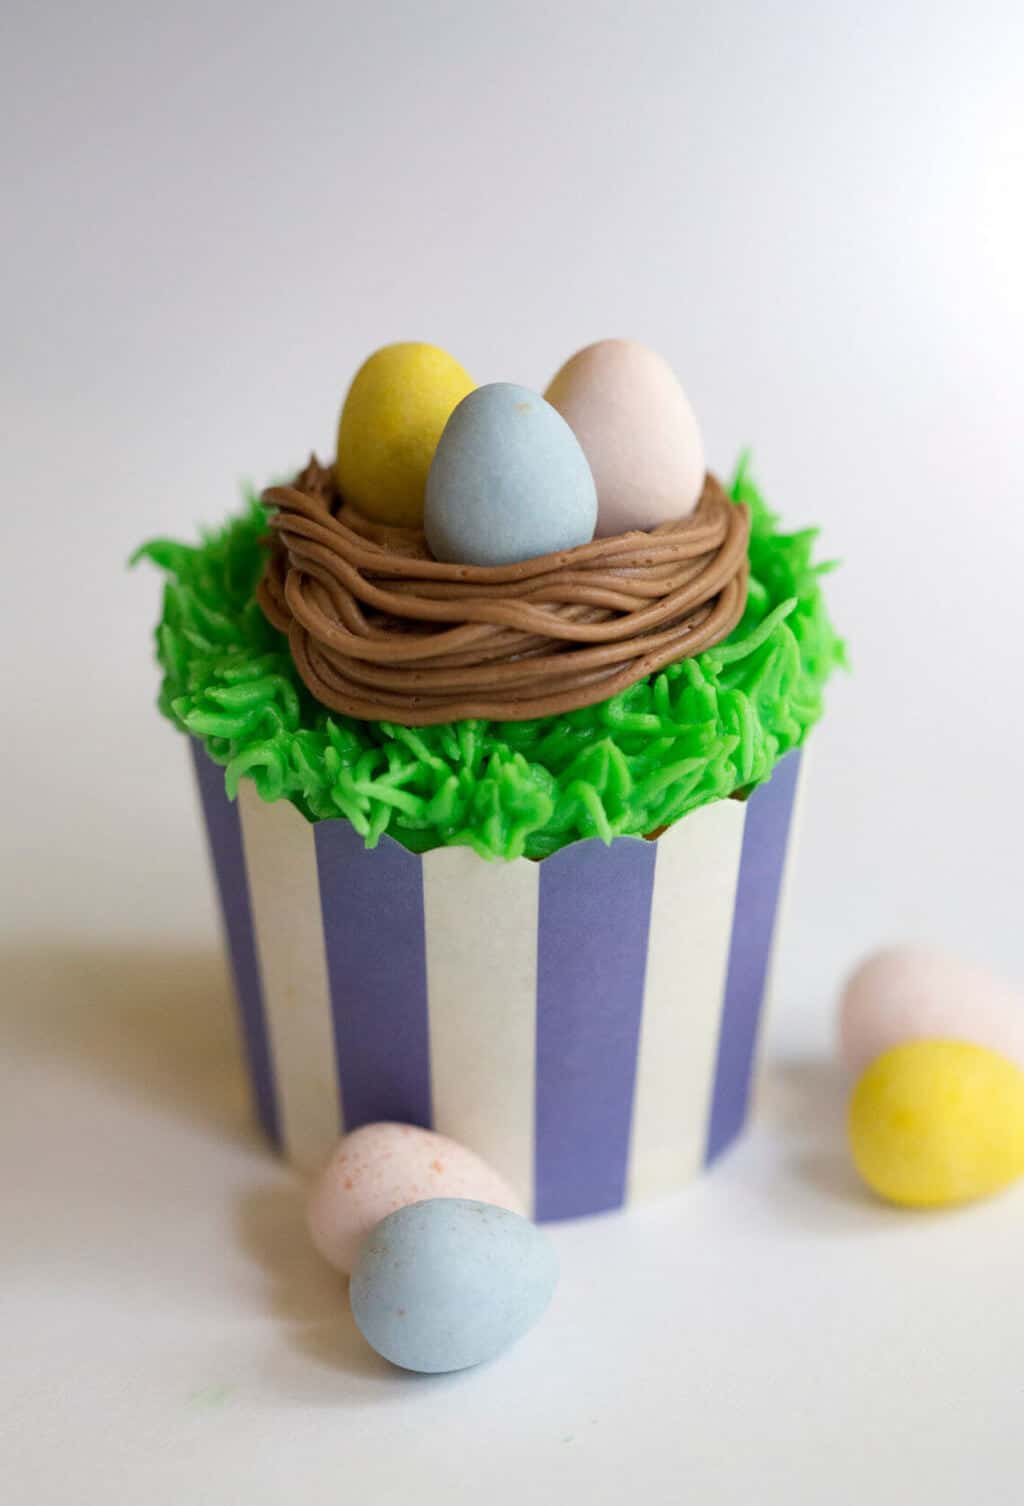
(381, 631)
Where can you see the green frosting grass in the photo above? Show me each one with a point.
(695, 732)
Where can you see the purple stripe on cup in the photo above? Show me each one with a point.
(372, 904)
(224, 834)
(595, 905)
(765, 838)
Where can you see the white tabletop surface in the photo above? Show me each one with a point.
(213, 213)
(170, 1337)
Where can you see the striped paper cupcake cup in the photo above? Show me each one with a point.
(587, 1024)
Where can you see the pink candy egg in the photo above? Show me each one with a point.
(383, 1167)
(911, 994)
(636, 427)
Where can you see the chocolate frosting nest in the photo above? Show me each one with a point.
(380, 630)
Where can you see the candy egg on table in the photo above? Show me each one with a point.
(628, 410)
(398, 404)
(933, 1123)
(508, 481)
(383, 1167)
(449, 1283)
(913, 993)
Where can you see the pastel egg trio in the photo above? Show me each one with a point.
(498, 474)
(937, 1113)
(446, 1272)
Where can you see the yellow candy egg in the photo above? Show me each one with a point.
(933, 1123)
(396, 407)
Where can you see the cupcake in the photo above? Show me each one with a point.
(497, 723)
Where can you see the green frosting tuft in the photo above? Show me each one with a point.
(698, 731)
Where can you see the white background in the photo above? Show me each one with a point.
(212, 214)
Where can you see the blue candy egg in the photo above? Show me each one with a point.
(508, 481)
(447, 1283)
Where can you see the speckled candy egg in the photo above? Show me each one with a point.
(933, 1123)
(638, 431)
(449, 1283)
(911, 993)
(396, 408)
(383, 1167)
(508, 482)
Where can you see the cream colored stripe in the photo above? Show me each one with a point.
(688, 953)
(284, 891)
(481, 926)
